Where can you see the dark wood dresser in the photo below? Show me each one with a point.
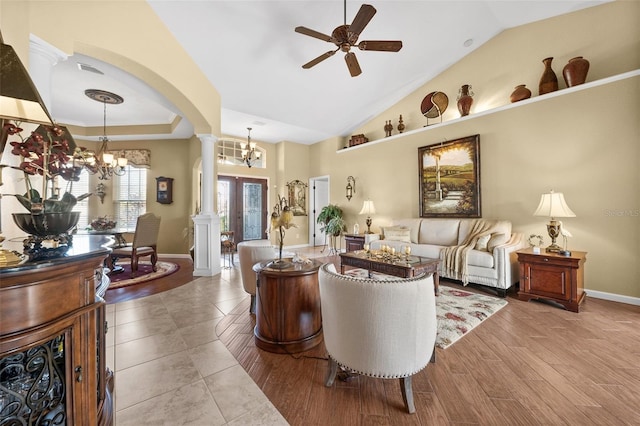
(52, 339)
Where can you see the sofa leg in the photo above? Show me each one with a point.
(502, 292)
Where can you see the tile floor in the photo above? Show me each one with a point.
(171, 369)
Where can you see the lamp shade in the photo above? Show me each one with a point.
(368, 208)
(19, 98)
(553, 205)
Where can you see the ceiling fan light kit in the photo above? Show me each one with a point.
(346, 36)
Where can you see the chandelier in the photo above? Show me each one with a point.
(106, 164)
(249, 153)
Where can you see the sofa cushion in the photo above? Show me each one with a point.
(497, 239)
(482, 242)
(443, 232)
(411, 223)
(480, 258)
(397, 234)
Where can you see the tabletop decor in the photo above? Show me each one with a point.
(281, 220)
(102, 224)
(51, 153)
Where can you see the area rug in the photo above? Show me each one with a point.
(145, 273)
(458, 311)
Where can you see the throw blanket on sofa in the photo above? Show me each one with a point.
(454, 258)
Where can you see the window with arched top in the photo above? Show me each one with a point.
(234, 153)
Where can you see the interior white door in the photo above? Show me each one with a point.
(318, 198)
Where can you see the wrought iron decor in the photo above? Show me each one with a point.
(297, 191)
(449, 175)
(32, 385)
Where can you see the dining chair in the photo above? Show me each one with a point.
(144, 242)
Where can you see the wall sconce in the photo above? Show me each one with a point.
(351, 189)
(100, 192)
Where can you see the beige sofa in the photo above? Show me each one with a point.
(479, 251)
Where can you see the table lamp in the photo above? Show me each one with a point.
(368, 208)
(554, 206)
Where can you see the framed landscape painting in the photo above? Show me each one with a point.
(450, 178)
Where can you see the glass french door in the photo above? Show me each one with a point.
(242, 206)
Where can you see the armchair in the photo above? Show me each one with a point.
(144, 243)
(384, 329)
(250, 253)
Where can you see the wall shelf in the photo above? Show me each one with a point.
(501, 108)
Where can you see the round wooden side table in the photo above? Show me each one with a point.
(288, 315)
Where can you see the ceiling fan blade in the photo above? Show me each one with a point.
(352, 64)
(319, 59)
(380, 45)
(313, 33)
(361, 20)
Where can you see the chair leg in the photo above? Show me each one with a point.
(407, 394)
(154, 260)
(252, 307)
(433, 355)
(331, 375)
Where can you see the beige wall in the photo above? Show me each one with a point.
(584, 144)
(137, 42)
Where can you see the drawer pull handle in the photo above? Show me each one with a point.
(78, 371)
(546, 259)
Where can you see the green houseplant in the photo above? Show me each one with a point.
(332, 223)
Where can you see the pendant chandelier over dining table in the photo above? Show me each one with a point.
(107, 164)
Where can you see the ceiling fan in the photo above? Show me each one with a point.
(346, 36)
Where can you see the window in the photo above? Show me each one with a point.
(130, 196)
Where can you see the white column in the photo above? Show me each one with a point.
(207, 224)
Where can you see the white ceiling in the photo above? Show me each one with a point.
(252, 56)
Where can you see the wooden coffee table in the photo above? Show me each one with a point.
(412, 267)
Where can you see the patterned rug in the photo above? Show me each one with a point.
(144, 273)
(458, 311)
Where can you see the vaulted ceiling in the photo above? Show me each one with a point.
(253, 57)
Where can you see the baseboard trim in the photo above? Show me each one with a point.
(613, 297)
(169, 255)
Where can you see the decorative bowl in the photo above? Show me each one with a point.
(46, 224)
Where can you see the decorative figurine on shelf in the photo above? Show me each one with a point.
(388, 128)
(465, 99)
(400, 125)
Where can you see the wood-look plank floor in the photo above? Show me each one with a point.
(532, 363)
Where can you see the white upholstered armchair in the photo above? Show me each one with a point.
(250, 253)
(384, 329)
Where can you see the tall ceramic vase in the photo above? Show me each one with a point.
(548, 81)
(465, 99)
(575, 72)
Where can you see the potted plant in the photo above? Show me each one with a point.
(49, 152)
(331, 223)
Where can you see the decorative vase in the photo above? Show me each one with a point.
(400, 125)
(575, 72)
(465, 99)
(520, 93)
(55, 227)
(548, 81)
(388, 128)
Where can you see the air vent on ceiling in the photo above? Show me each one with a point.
(89, 68)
